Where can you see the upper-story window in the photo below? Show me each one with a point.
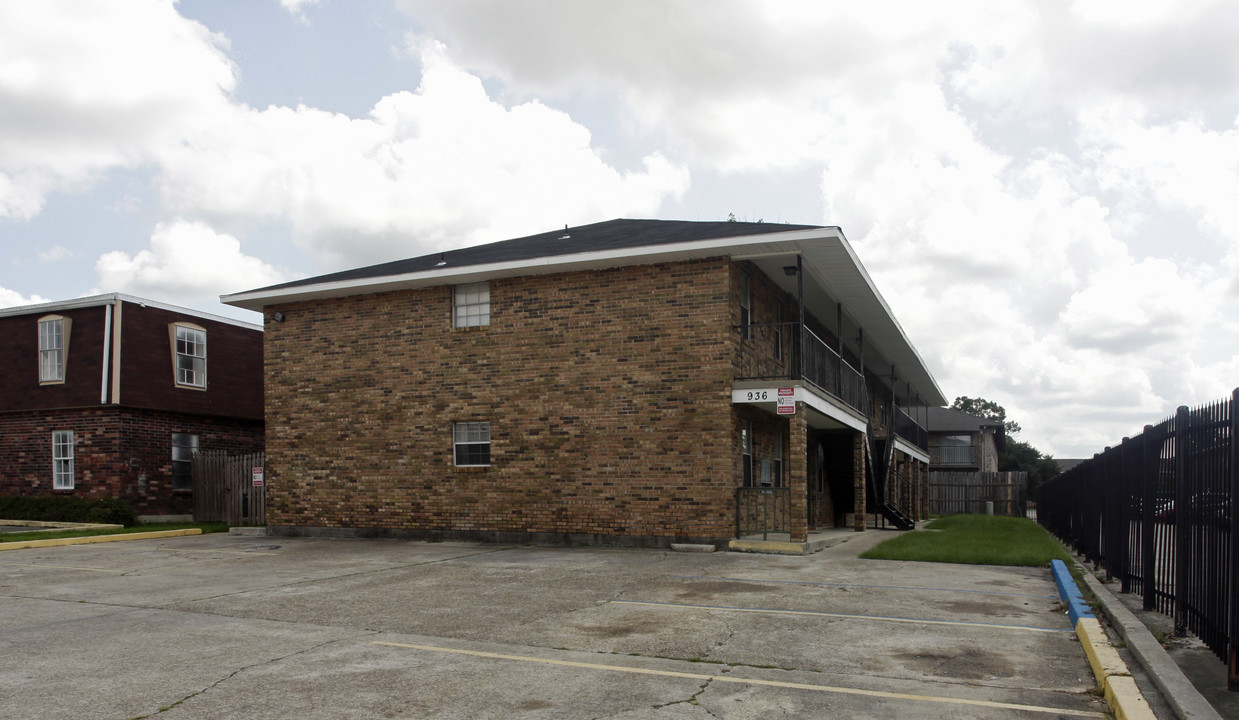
(471, 305)
(53, 348)
(189, 350)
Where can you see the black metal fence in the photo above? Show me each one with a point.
(1157, 513)
(763, 510)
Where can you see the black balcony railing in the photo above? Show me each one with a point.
(966, 455)
(773, 351)
(905, 427)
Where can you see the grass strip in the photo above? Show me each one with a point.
(974, 540)
(58, 534)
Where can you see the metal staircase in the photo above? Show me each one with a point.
(879, 474)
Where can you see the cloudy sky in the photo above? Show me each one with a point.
(1046, 192)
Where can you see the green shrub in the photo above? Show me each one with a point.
(62, 508)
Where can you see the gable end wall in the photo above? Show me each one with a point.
(608, 394)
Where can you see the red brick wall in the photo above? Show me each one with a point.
(608, 394)
(118, 452)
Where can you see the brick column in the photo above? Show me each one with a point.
(858, 482)
(798, 477)
(924, 491)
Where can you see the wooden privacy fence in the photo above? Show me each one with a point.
(967, 493)
(230, 489)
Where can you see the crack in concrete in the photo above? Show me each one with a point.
(244, 668)
(693, 700)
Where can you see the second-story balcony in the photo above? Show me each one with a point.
(789, 351)
(958, 455)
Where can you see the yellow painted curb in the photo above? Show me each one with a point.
(764, 546)
(1125, 700)
(1101, 654)
(1113, 677)
(153, 535)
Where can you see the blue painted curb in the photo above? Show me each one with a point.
(1067, 590)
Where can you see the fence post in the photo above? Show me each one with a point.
(1181, 534)
(1232, 667)
(1148, 500)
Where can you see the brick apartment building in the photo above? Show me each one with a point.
(633, 381)
(109, 396)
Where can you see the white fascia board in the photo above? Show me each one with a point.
(837, 267)
(911, 450)
(788, 242)
(112, 299)
(824, 405)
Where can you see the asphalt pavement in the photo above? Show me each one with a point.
(225, 626)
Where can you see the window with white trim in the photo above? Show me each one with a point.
(471, 305)
(184, 445)
(471, 444)
(53, 346)
(62, 460)
(190, 353)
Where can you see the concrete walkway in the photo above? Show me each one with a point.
(236, 626)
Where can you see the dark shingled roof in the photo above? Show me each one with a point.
(942, 419)
(597, 237)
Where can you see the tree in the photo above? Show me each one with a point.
(1022, 456)
(987, 409)
(1016, 455)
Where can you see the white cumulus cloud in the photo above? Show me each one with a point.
(188, 263)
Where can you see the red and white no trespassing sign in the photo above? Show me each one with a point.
(787, 401)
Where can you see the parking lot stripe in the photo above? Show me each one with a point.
(747, 681)
(63, 567)
(216, 552)
(886, 618)
(858, 585)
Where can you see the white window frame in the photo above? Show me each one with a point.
(471, 304)
(189, 355)
(62, 460)
(53, 348)
(183, 452)
(470, 436)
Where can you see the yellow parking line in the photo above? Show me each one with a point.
(215, 552)
(748, 681)
(817, 613)
(63, 567)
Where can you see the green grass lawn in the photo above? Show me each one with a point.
(974, 540)
(57, 534)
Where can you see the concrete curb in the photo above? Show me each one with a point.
(54, 525)
(1180, 693)
(24, 544)
(1113, 677)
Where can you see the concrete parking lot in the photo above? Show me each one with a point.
(222, 626)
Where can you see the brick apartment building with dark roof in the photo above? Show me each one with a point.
(634, 381)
